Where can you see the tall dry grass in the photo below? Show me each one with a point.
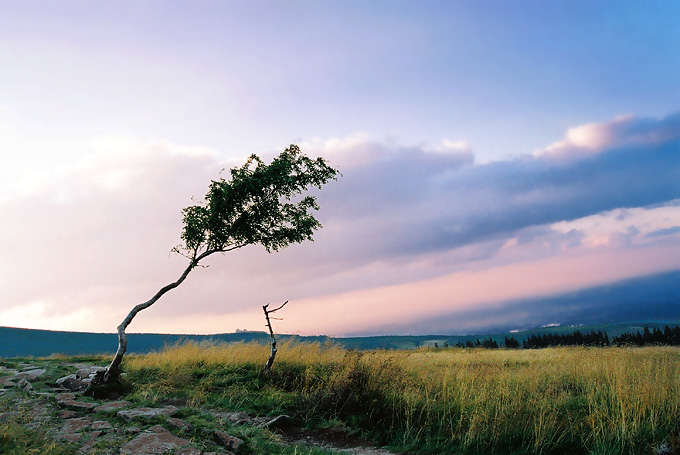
(557, 400)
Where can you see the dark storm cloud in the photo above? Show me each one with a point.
(411, 201)
(655, 297)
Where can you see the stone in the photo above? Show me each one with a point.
(227, 441)
(7, 381)
(66, 414)
(31, 375)
(101, 425)
(83, 373)
(76, 425)
(158, 440)
(63, 378)
(85, 448)
(180, 424)
(72, 383)
(236, 417)
(78, 404)
(147, 413)
(112, 406)
(65, 396)
(24, 384)
(70, 437)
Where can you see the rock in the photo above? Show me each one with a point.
(147, 413)
(24, 384)
(71, 429)
(65, 396)
(112, 406)
(127, 430)
(87, 446)
(227, 441)
(78, 404)
(158, 440)
(101, 425)
(72, 383)
(236, 417)
(66, 414)
(83, 373)
(70, 437)
(180, 424)
(30, 375)
(76, 425)
(63, 378)
(7, 381)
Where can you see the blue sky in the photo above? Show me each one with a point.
(478, 138)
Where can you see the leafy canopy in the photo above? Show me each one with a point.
(256, 206)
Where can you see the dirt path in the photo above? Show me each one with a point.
(30, 397)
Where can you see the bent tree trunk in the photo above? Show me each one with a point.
(113, 370)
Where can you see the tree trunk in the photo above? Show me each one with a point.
(113, 370)
(272, 354)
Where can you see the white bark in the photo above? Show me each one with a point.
(272, 354)
(113, 370)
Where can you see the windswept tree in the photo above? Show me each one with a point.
(259, 204)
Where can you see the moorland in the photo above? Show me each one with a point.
(324, 399)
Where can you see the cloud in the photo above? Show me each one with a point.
(622, 131)
(408, 201)
(80, 237)
(98, 235)
(652, 297)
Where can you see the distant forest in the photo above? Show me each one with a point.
(655, 337)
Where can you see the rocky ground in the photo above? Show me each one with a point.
(31, 396)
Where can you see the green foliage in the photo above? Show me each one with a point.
(256, 206)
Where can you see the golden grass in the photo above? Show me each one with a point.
(556, 400)
(181, 356)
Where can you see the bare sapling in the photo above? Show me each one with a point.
(272, 354)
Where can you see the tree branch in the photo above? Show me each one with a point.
(272, 354)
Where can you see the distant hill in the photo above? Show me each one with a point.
(15, 342)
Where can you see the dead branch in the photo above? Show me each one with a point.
(272, 354)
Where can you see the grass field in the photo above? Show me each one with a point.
(550, 401)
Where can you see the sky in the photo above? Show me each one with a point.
(505, 165)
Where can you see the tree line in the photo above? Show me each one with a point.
(669, 336)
